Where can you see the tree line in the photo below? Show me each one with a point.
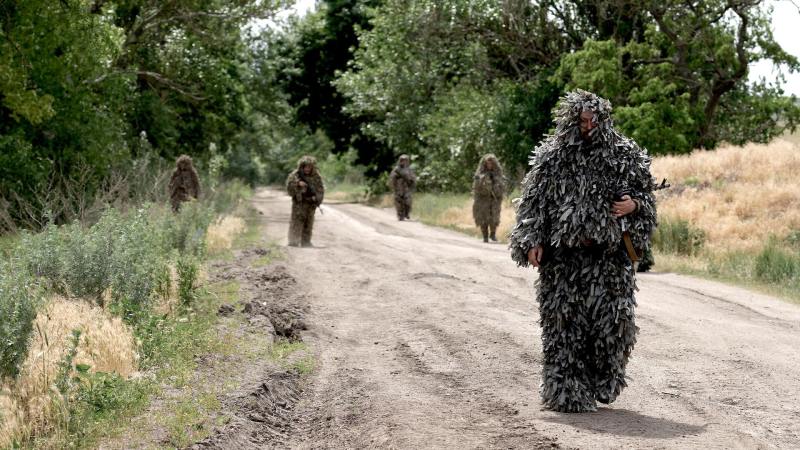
(452, 80)
(92, 86)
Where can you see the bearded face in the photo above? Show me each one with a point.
(587, 124)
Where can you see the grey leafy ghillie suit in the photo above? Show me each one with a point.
(585, 290)
(488, 188)
(184, 184)
(303, 207)
(402, 181)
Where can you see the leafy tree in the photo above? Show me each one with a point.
(683, 83)
(80, 80)
(314, 50)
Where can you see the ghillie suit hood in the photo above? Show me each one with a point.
(488, 188)
(586, 287)
(298, 193)
(184, 185)
(567, 194)
(496, 167)
(402, 179)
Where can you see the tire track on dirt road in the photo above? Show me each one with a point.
(428, 339)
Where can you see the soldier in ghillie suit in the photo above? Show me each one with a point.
(570, 227)
(307, 190)
(402, 181)
(184, 184)
(488, 188)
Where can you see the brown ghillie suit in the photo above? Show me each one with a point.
(303, 207)
(488, 189)
(402, 181)
(184, 184)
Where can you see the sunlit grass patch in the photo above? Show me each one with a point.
(222, 232)
(733, 215)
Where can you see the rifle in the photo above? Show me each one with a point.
(309, 189)
(634, 254)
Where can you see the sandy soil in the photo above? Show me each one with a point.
(428, 339)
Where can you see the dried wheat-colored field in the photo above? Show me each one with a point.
(739, 196)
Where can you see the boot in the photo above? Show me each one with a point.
(485, 238)
(493, 237)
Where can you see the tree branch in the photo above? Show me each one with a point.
(151, 78)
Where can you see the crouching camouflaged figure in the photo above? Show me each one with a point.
(307, 190)
(487, 189)
(569, 226)
(184, 184)
(402, 181)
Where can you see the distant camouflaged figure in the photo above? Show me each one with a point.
(402, 181)
(184, 184)
(570, 227)
(487, 189)
(305, 200)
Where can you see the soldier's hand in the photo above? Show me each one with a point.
(626, 206)
(535, 255)
(303, 183)
(314, 199)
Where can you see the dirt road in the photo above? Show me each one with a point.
(428, 339)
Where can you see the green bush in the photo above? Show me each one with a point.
(135, 260)
(775, 263)
(42, 255)
(677, 236)
(88, 256)
(18, 306)
(186, 231)
(188, 269)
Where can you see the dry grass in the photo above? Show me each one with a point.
(739, 196)
(221, 233)
(31, 405)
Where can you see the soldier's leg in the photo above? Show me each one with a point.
(493, 234)
(615, 312)
(296, 226)
(399, 206)
(485, 232)
(308, 226)
(566, 385)
(408, 202)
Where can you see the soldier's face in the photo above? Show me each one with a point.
(403, 162)
(307, 170)
(587, 124)
(489, 165)
(182, 165)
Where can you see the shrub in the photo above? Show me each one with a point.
(88, 255)
(135, 260)
(775, 263)
(188, 269)
(677, 236)
(186, 230)
(18, 305)
(42, 253)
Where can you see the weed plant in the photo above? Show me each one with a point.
(18, 307)
(677, 236)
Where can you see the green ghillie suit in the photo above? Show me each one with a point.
(487, 189)
(303, 206)
(586, 283)
(402, 181)
(184, 184)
